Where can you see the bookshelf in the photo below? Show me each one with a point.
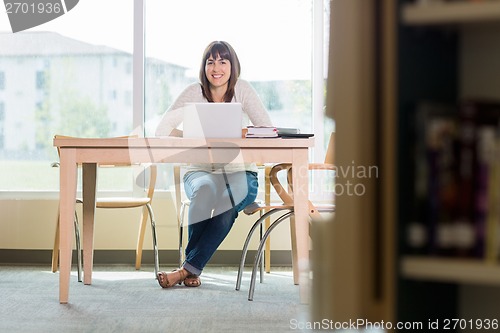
(458, 12)
(402, 53)
(486, 17)
(450, 270)
(445, 54)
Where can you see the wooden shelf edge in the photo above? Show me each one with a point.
(454, 12)
(466, 271)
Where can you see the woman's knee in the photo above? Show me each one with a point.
(202, 188)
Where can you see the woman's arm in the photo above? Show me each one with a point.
(252, 104)
(169, 122)
(173, 117)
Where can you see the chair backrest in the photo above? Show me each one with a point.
(153, 172)
(152, 177)
(284, 195)
(287, 195)
(330, 150)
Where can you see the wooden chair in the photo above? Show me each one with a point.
(143, 202)
(285, 208)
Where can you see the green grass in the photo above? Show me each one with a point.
(40, 176)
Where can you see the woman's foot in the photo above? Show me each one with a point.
(192, 280)
(167, 280)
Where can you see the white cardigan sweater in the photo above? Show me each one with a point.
(253, 111)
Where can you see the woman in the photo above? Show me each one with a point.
(217, 193)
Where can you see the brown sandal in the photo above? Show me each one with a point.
(192, 280)
(167, 280)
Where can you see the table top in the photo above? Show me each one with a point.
(175, 142)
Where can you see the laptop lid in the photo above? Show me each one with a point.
(212, 120)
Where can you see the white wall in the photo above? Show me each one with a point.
(30, 224)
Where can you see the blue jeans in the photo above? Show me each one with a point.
(211, 212)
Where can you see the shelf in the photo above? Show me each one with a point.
(470, 271)
(451, 12)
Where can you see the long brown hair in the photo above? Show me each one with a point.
(225, 51)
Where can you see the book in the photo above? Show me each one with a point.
(493, 218)
(435, 173)
(261, 132)
(476, 116)
(456, 208)
(441, 153)
(287, 131)
(490, 166)
(484, 150)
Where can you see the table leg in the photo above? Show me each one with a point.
(89, 197)
(267, 199)
(68, 180)
(300, 175)
(293, 234)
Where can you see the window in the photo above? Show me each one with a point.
(2, 80)
(60, 74)
(66, 77)
(40, 80)
(281, 72)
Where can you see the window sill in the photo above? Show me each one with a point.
(54, 195)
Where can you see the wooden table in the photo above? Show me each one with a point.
(91, 152)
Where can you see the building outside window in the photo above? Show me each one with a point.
(2, 80)
(2, 124)
(40, 80)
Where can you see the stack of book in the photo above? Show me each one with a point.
(270, 131)
(261, 132)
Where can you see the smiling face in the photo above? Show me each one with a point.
(218, 71)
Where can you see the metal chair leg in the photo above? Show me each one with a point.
(261, 272)
(78, 248)
(258, 256)
(181, 235)
(247, 242)
(155, 244)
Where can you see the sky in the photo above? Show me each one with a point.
(270, 46)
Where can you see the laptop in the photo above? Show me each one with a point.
(212, 120)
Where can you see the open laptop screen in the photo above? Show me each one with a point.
(212, 120)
